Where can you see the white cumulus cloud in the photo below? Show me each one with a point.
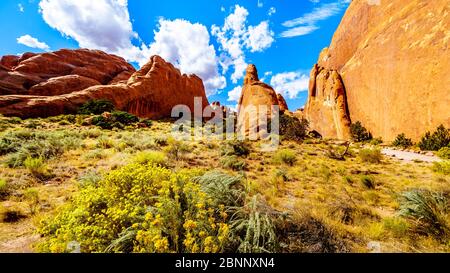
(235, 36)
(235, 94)
(32, 42)
(187, 46)
(106, 25)
(99, 24)
(290, 84)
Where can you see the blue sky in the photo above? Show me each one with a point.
(214, 39)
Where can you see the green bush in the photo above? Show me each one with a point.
(442, 167)
(368, 182)
(105, 143)
(292, 128)
(371, 155)
(96, 107)
(376, 141)
(444, 153)
(161, 141)
(151, 157)
(427, 211)
(3, 188)
(285, 156)
(45, 147)
(176, 149)
(433, 142)
(253, 228)
(234, 163)
(236, 147)
(124, 118)
(360, 133)
(402, 141)
(38, 168)
(102, 122)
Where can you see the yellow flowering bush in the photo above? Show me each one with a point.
(140, 208)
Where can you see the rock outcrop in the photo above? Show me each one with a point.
(255, 104)
(151, 92)
(60, 72)
(282, 103)
(388, 67)
(326, 109)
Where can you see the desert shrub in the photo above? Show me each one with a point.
(371, 155)
(148, 122)
(234, 163)
(91, 178)
(176, 149)
(38, 168)
(285, 156)
(280, 177)
(142, 208)
(4, 191)
(359, 132)
(105, 143)
(436, 140)
(91, 133)
(43, 149)
(32, 124)
(224, 189)
(151, 157)
(368, 182)
(427, 211)
(95, 154)
(96, 107)
(236, 147)
(444, 153)
(33, 200)
(124, 118)
(253, 228)
(376, 141)
(161, 141)
(402, 141)
(292, 128)
(442, 167)
(102, 122)
(396, 225)
(46, 145)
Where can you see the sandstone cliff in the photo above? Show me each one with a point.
(388, 66)
(151, 92)
(60, 72)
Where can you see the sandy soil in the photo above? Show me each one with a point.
(409, 156)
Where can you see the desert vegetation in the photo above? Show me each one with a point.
(69, 183)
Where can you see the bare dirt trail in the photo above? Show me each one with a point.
(409, 156)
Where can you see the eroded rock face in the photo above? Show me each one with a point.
(282, 102)
(394, 62)
(327, 110)
(151, 92)
(256, 102)
(60, 72)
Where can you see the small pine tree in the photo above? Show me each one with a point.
(402, 141)
(360, 133)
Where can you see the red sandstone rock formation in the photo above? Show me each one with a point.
(151, 92)
(60, 72)
(282, 102)
(256, 101)
(389, 65)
